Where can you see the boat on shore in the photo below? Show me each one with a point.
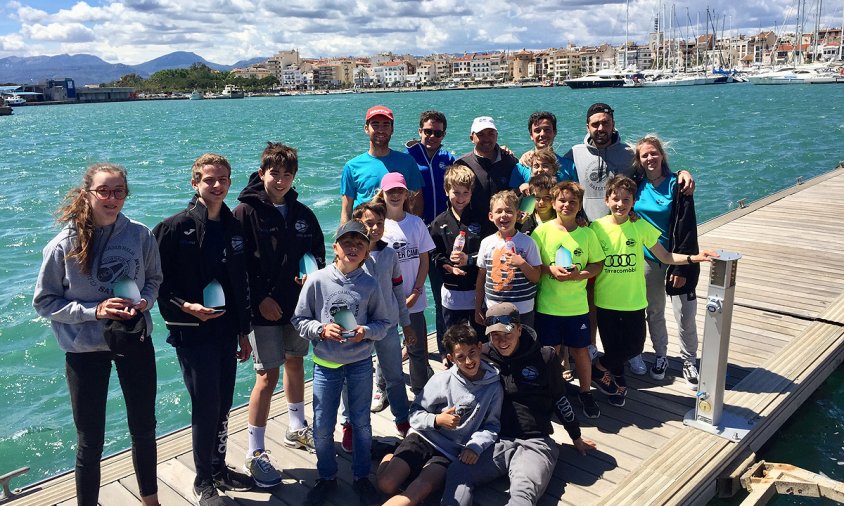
(799, 75)
(232, 91)
(605, 78)
(14, 100)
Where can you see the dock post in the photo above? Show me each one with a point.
(709, 414)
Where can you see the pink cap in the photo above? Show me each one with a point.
(393, 180)
(379, 110)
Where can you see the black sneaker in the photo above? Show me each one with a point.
(619, 398)
(322, 489)
(229, 479)
(590, 408)
(204, 494)
(603, 381)
(690, 374)
(367, 495)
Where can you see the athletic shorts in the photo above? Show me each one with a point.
(417, 452)
(271, 344)
(571, 331)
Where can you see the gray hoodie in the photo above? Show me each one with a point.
(328, 290)
(595, 166)
(477, 402)
(68, 298)
(383, 265)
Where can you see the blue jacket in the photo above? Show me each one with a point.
(433, 172)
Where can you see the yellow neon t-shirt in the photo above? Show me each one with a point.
(621, 284)
(565, 298)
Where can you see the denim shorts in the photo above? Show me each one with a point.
(571, 331)
(271, 344)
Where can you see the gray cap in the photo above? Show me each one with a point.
(352, 227)
(501, 318)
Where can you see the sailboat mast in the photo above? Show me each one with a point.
(626, 33)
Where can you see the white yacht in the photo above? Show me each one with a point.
(606, 78)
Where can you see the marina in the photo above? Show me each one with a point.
(735, 156)
(787, 338)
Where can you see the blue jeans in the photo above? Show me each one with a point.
(389, 373)
(327, 385)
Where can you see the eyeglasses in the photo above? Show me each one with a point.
(435, 133)
(103, 194)
(503, 319)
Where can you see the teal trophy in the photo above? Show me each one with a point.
(213, 296)
(527, 204)
(563, 258)
(307, 265)
(126, 288)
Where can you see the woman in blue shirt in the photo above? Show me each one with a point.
(660, 202)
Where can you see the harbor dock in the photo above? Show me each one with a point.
(787, 338)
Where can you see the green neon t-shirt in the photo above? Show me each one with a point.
(621, 284)
(565, 298)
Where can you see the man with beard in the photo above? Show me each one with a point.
(492, 166)
(601, 156)
(533, 394)
(362, 174)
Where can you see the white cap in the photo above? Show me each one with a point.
(482, 123)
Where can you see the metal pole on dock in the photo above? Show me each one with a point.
(709, 414)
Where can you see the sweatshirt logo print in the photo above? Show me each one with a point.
(301, 226)
(530, 373)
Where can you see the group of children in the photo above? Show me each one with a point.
(254, 282)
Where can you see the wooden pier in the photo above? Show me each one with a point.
(787, 338)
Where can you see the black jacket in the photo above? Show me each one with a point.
(533, 390)
(444, 229)
(682, 239)
(180, 239)
(491, 176)
(274, 246)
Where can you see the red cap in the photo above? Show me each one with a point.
(379, 110)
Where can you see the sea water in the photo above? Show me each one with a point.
(739, 141)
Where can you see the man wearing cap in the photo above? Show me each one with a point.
(601, 156)
(492, 166)
(362, 174)
(533, 393)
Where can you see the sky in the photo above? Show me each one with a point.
(226, 31)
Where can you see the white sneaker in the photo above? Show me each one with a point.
(379, 401)
(637, 365)
(593, 352)
(690, 374)
(659, 367)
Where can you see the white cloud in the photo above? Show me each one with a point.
(224, 31)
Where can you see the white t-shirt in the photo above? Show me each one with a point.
(409, 237)
(505, 283)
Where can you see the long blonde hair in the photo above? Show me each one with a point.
(76, 210)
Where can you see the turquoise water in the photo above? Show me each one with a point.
(740, 141)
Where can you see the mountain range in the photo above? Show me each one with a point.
(88, 69)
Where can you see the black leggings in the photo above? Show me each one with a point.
(209, 371)
(87, 379)
(623, 337)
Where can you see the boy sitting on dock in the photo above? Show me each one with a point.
(454, 418)
(278, 231)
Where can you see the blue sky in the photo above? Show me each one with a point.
(225, 31)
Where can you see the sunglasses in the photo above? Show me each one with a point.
(435, 133)
(503, 319)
